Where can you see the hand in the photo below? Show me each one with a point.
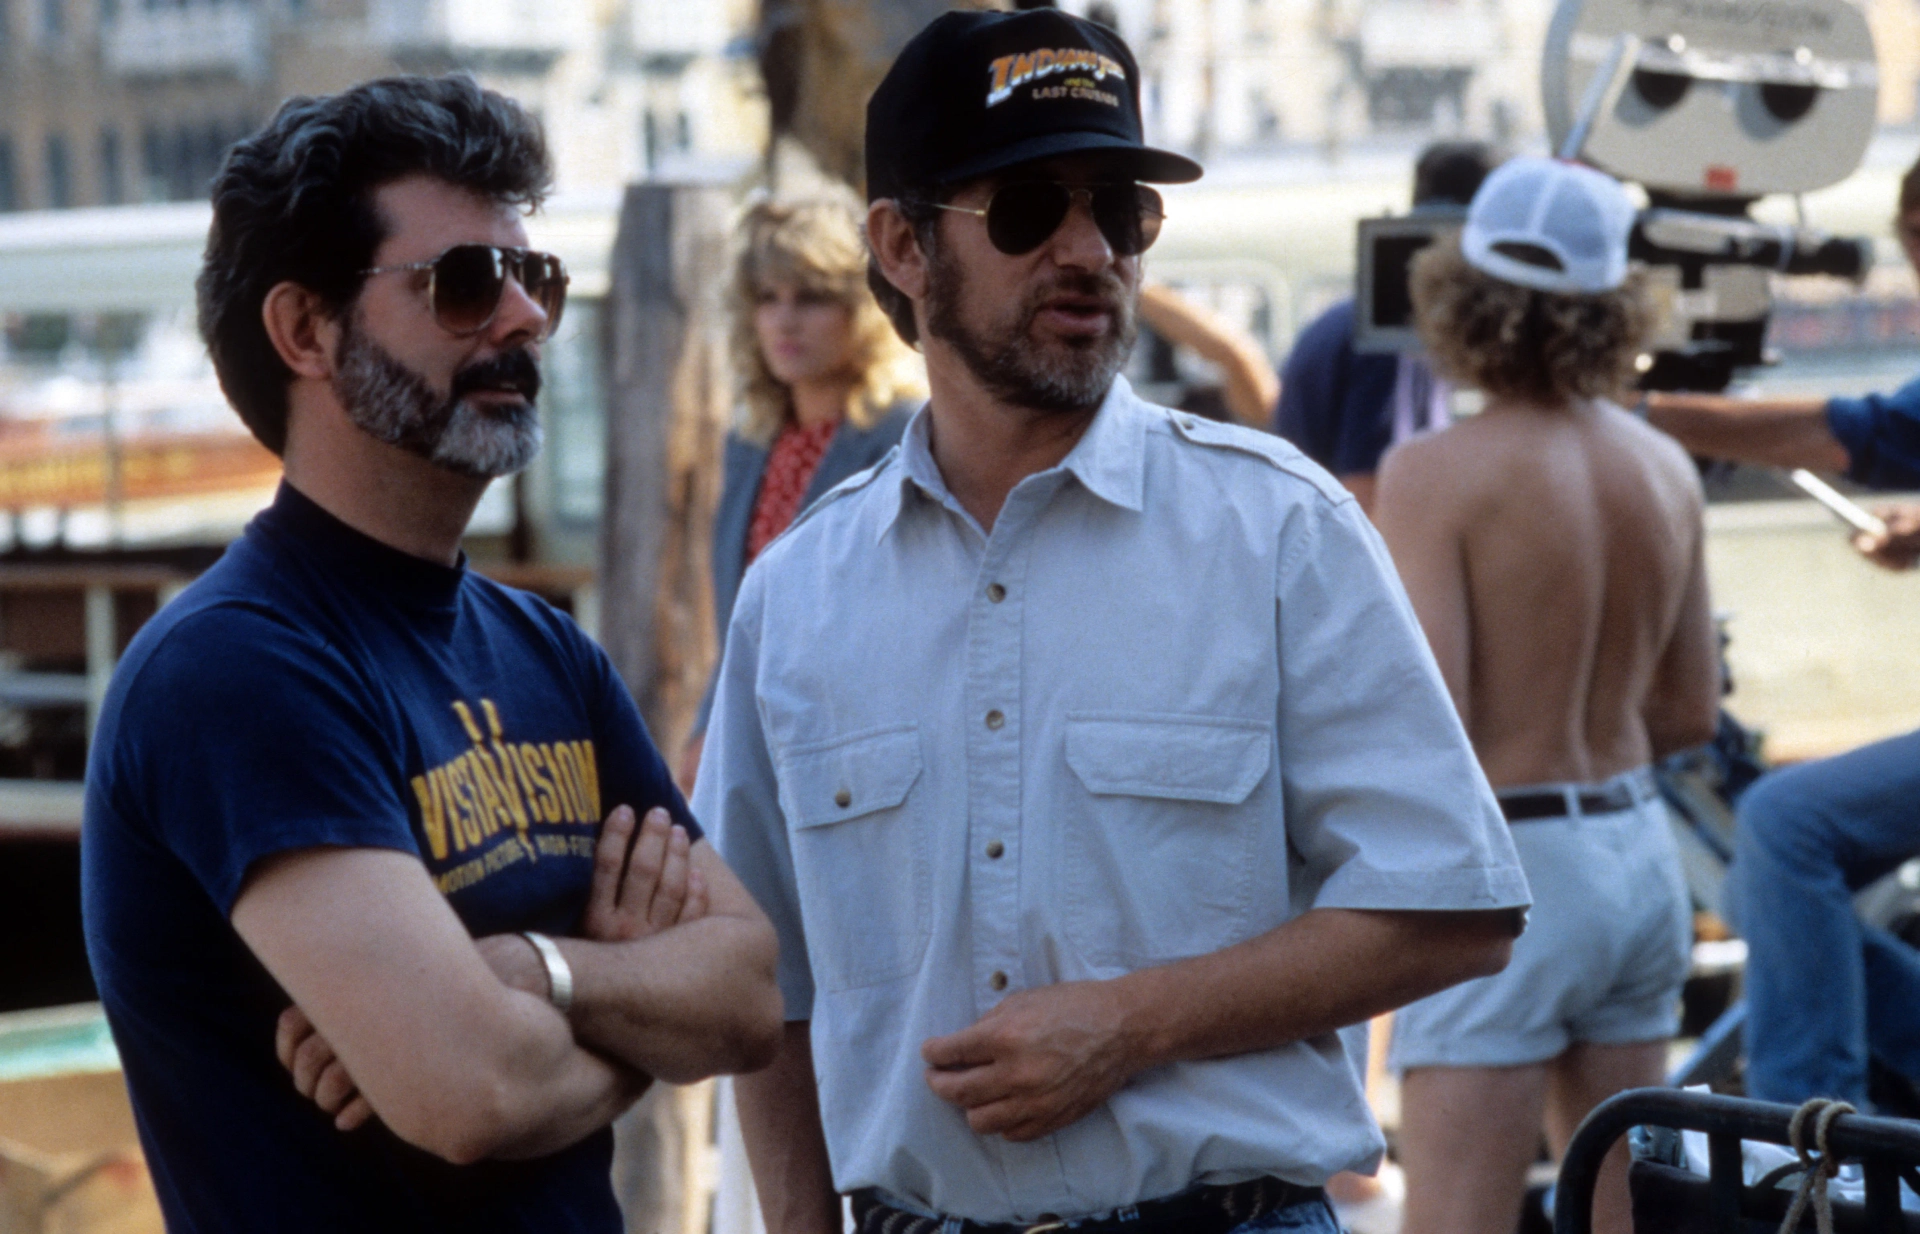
(1900, 547)
(1038, 1061)
(641, 893)
(317, 1074)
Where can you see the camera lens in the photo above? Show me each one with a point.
(1660, 90)
(1787, 103)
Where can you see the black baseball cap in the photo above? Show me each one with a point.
(976, 92)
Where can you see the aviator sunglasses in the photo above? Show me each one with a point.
(1021, 215)
(466, 282)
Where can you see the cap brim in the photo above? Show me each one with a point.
(1140, 162)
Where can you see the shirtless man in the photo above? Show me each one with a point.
(1552, 548)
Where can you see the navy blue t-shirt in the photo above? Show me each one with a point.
(1335, 403)
(1881, 433)
(316, 687)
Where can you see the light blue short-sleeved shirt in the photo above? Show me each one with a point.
(1176, 698)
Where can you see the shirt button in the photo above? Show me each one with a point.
(843, 799)
(995, 848)
(998, 981)
(996, 592)
(995, 719)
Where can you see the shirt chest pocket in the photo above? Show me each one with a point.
(1158, 834)
(859, 839)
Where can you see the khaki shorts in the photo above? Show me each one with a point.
(1607, 947)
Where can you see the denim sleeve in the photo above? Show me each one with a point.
(1881, 434)
(1386, 804)
(738, 795)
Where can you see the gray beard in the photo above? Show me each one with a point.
(394, 404)
(1058, 379)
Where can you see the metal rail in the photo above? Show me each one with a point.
(1881, 1145)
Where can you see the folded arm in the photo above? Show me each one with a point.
(682, 1003)
(451, 1058)
(1044, 1058)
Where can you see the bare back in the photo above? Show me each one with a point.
(1555, 560)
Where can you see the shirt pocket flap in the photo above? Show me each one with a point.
(1182, 758)
(852, 776)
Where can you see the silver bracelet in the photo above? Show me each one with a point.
(559, 972)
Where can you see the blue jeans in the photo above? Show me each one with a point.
(1824, 990)
(1310, 1217)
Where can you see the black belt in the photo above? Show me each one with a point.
(1203, 1210)
(1520, 807)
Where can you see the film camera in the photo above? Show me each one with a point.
(1709, 105)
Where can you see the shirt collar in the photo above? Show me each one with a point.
(1109, 460)
(409, 581)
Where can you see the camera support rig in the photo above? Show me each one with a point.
(1710, 105)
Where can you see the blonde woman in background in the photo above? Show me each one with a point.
(826, 387)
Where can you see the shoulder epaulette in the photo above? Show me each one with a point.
(1276, 452)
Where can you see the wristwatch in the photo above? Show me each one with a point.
(559, 973)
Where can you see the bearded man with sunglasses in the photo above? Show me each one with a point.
(372, 958)
(1087, 756)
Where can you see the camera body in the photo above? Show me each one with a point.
(1382, 299)
(1708, 105)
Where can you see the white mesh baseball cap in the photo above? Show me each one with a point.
(1551, 226)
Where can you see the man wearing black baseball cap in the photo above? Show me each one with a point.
(1135, 784)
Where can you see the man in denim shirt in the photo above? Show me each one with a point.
(1087, 756)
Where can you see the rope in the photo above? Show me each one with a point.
(1815, 1172)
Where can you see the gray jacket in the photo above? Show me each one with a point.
(742, 467)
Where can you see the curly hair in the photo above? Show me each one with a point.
(814, 245)
(294, 203)
(1516, 342)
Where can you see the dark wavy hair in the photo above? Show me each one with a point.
(294, 203)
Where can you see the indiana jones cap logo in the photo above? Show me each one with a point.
(1009, 73)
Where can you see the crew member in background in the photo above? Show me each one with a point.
(1809, 836)
(1086, 754)
(370, 958)
(1344, 408)
(1553, 548)
(825, 384)
(1248, 385)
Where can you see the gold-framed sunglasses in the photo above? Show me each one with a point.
(1023, 214)
(467, 282)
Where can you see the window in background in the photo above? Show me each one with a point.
(9, 186)
(59, 172)
(113, 181)
(574, 400)
(153, 165)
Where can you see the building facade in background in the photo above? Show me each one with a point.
(114, 102)
(1225, 77)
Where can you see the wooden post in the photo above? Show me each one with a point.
(669, 392)
(668, 396)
